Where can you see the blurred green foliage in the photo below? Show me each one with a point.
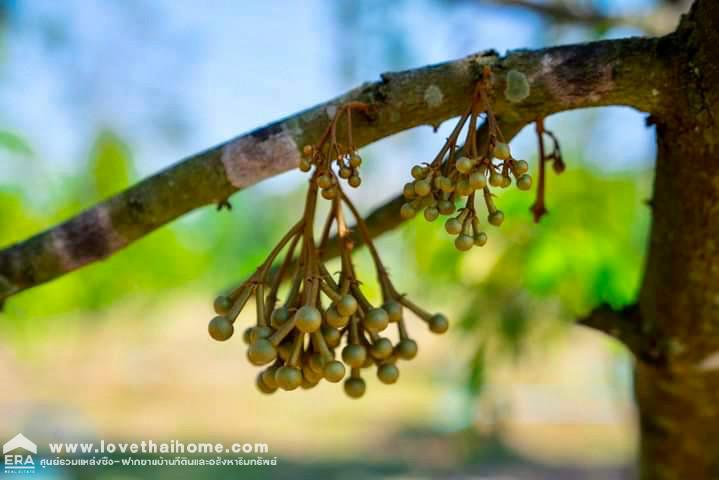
(586, 251)
(109, 164)
(531, 280)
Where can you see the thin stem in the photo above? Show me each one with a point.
(452, 139)
(277, 279)
(538, 209)
(366, 237)
(278, 248)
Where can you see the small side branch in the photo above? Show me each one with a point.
(623, 325)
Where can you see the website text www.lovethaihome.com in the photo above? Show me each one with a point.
(20, 454)
(152, 447)
(170, 453)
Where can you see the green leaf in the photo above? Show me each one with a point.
(110, 164)
(477, 377)
(15, 144)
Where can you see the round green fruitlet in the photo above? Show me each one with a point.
(355, 160)
(346, 306)
(419, 172)
(406, 349)
(354, 181)
(260, 331)
(382, 348)
(308, 319)
(453, 226)
(247, 335)
(408, 191)
(431, 214)
(496, 179)
(220, 328)
(496, 218)
(368, 361)
(464, 165)
(438, 323)
(334, 371)
(268, 377)
(284, 350)
(524, 182)
(480, 239)
(334, 319)
(422, 188)
(331, 335)
(521, 167)
(375, 320)
(222, 304)
(501, 151)
(288, 378)
(305, 165)
(354, 355)
(388, 373)
(463, 242)
(407, 211)
(279, 316)
(477, 180)
(355, 387)
(445, 184)
(263, 387)
(463, 187)
(261, 352)
(445, 207)
(316, 362)
(307, 384)
(329, 193)
(393, 309)
(324, 181)
(310, 375)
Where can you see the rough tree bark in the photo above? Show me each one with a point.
(673, 330)
(677, 386)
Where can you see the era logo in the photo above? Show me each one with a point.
(17, 461)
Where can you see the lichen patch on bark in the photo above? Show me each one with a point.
(710, 362)
(517, 86)
(254, 157)
(433, 96)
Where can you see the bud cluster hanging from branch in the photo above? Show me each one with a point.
(297, 339)
(460, 174)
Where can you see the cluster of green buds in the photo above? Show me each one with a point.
(329, 151)
(457, 174)
(326, 328)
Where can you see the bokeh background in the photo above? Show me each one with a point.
(95, 95)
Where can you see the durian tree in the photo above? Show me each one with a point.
(672, 329)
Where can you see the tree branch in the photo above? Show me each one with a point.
(659, 20)
(632, 72)
(624, 325)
